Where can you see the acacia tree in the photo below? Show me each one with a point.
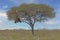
(31, 13)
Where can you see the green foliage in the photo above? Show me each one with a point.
(31, 10)
(12, 13)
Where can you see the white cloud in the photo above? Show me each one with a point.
(0, 21)
(15, 1)
(31, 1)
(18, 2)
(52, 22)
(58, 27)
(5, 27)
(2, 11)
(2, 14)
(5, 6)
(57, 9)
(10, 27)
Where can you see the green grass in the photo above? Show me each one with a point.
(26, 35)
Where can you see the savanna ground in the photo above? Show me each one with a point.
(26, 35)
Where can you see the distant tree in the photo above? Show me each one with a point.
(31, 13)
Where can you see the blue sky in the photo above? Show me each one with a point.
(7, 4)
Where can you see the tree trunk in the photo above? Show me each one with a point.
(32, 27)
(33, 30)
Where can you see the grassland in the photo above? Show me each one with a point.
(26, 35)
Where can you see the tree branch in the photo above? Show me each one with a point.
(26, 22)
